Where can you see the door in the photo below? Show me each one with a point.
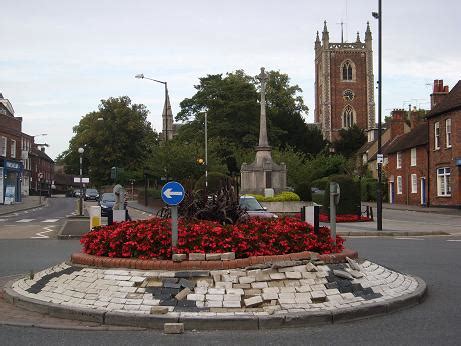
(423, 191)
(391, 192)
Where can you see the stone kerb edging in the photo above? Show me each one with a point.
(109, 262)
(299, 319)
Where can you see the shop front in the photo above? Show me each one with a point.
(11, 173)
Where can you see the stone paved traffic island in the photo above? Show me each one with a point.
(291, 291)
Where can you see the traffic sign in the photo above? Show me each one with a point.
(172, 193)
(380, 158)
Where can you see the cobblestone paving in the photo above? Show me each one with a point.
(277, 288)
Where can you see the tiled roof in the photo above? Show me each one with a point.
(451, 102)
(365, 147)
(416, 137)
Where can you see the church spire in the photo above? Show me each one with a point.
(368, 32)
(317, 41)
(325, 35)
(358, 38)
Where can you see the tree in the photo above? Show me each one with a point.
(350, 141)
(117, 134)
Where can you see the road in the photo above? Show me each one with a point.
(435, 259)
(44, 222)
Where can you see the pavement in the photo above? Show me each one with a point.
(276, 295)
(418, 208)
(28, 202)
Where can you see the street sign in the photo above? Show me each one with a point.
(84, 180)
(380, 158)
(172, 193)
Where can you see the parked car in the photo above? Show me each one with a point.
(91, 195)
(106, 202)
(254, 208)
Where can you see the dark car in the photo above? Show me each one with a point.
(106, 202)
(91, 195)
(254, 208)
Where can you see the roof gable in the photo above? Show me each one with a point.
(451, 102)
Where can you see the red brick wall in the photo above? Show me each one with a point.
(407, 197)
(358, 86)
(10, 127)
(445, 157)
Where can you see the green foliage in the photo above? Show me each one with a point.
(117, 134)
(285, 196)
(350, 195)
(303, 190)
(321, 183)
(368, 189)
(324, 165)
(350, 141)
(233, 113)
(216, 181)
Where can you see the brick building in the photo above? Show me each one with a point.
(19, 157)
(344, 85)
(407, 160)
(444, 129)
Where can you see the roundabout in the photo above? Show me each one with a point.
(292, 290)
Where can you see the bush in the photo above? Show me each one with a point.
(368, 189)
(321, 183)
(285, 196)
(303, 190)
(350, 195)
(151, 193)
(216, 180)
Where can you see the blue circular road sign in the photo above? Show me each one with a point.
(173, 193)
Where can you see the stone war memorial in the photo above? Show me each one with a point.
(263, 174)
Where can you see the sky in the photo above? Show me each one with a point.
(58, 59)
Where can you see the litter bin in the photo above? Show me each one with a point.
(95, 216)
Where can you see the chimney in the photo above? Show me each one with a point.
(439, 92)
(42, 149)
(397, 122)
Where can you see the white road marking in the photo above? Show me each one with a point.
(25, 220)
(403, 238)
(453, 239)
(50, 220)
(3, 220)
(41, 235)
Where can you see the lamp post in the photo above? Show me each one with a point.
(206, 152)
(167, 130)
(379, 196)
(80, 206)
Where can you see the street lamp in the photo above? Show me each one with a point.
(206, 152)
(80, 206)
(141, 76)
(379, 195)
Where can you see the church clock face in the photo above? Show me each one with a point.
(348, 95)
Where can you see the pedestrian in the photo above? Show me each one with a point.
(120, 200)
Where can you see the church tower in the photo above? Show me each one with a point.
(344, 84)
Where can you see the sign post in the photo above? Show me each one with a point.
(173, 194)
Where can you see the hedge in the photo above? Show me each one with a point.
(350, 195)
(215, 181)
(303, 190)
(281, 197)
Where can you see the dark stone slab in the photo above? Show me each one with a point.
(38, 286)
(171, 291)
(154, 290)
(170, 280)
(171, 285)
(187, 283)
(357, 287)
(168, 302)
(186, 303)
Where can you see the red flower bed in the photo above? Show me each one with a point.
(344, 218)
(151, 238)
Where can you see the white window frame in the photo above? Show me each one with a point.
(443, 182)
(3, 145)
(413, 157)
(399, 159)
(399, 185)
(436, 135)
(448, 132)
(13, 149)
(414, 183)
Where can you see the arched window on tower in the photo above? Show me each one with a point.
(348, 117)
(347, 70)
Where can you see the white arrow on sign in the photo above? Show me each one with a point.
(169, 193)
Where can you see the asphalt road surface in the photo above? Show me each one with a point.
(435, 322)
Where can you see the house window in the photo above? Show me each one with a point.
(448, 132)
(348, 117)
(399, 185)
(2, 146)
(399, 159)
(347, 70)
(13, 149)
(414, 183)
(443, 182)
(437, 135)
(413, 157)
